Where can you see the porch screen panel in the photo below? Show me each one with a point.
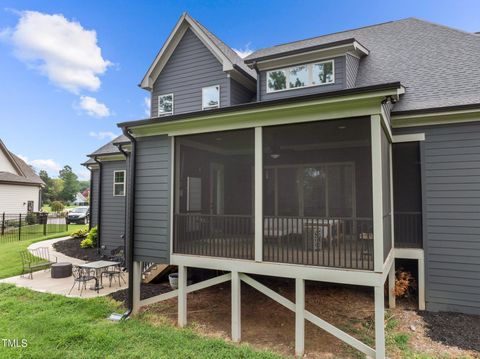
(214, 194)
(387, 209)
(317, 194)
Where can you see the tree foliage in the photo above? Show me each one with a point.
(57, 206)
(70, 184)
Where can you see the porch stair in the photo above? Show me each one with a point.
(154, 271)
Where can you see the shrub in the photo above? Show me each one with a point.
(57, 206)
(405, 283)
(81, 233)
(86, 243)
(31, 218)
(93, 235)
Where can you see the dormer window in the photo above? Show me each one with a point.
(165, 104)
(314, 74)
(210, 97)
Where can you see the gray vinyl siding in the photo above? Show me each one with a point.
(112, 224)
(450, 158)
(351, 70)
(239, 94)
(95, 180)
(152, 200)
(190, 67)
(340, 83)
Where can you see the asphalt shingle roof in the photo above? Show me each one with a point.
(438, 65)
(110, 148)
(27, 176)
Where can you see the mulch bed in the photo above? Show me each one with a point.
(454, 329)
(147, 290)
(71, 248)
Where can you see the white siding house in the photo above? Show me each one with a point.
(20, 186)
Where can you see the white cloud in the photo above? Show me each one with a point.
(244, 52)
(146, 105)
(92, 107)
(60, 49)
(103, 135)
(48, 165)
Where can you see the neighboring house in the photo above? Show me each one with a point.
(323, 159)
(20, 186)
(107, 167)
(80, 200)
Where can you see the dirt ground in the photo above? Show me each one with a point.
(268, 325)
(71, 248)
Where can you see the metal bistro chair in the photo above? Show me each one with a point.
(35, 259)
(82, 276)
(112, 272)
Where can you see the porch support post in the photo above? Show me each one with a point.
(421, 283)
(182, 296)
(376, 139)
(258, 194)
(137, 280)
(236, 307)
(391, 286)
(299, 317)
(379, 323)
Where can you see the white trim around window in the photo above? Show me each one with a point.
(164, 113)
(120, 184)
(217, 87)
(309, 76)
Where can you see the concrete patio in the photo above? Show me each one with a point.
(43, 282)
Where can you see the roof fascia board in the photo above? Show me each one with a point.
(109, 157)
(11, 159)
(435, 118)
(283, 114)
(30, 184)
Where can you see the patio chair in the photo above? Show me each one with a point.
(118, 255)
(112, 272)
(35, 259)
(82, 276)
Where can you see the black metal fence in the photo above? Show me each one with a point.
(214, 235)
(408, 230)
(21, 227)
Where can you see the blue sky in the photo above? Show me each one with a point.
(57, 101)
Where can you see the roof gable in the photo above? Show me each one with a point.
(231, 62)
(15, 170)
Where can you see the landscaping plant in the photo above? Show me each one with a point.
(91, 240)
(80, 233)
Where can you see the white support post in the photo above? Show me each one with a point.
(421, 283)
(299, 317)
(379, 323)
(236, 307)
(182, 296)
(391, 286)
(377, 192)
(137, 280)
(258, 194)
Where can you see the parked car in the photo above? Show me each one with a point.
(78, 215)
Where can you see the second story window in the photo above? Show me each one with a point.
(165, 104)
(119, 183)
(314, 74)
(210, 97)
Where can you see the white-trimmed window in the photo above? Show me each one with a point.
(306, 75)
(165, 104)
(119, 183)
(210, 97)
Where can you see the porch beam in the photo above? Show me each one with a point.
(137, 280)
(182, 296)
(159, 298)
(421, 283)
(236, 307)
(258, 194)
(391, 286)
(377, 193)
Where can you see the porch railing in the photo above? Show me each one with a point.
(228, 236)
(408, 229)
(330, 242)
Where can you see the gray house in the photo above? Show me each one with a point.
(324, 159)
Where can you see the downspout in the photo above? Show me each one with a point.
(130, 211)
(99, 209)
(125, 153)
(259, 95)
(91, 200)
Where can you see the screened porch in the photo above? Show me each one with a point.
(316, 194)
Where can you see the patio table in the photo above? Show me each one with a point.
(98, 266)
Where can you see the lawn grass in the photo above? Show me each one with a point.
(59, 327)
(10, 262)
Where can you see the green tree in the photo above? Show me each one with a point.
(57, 188)
(83, 185)
(70, 184)
(57, 206)
(47, 191)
